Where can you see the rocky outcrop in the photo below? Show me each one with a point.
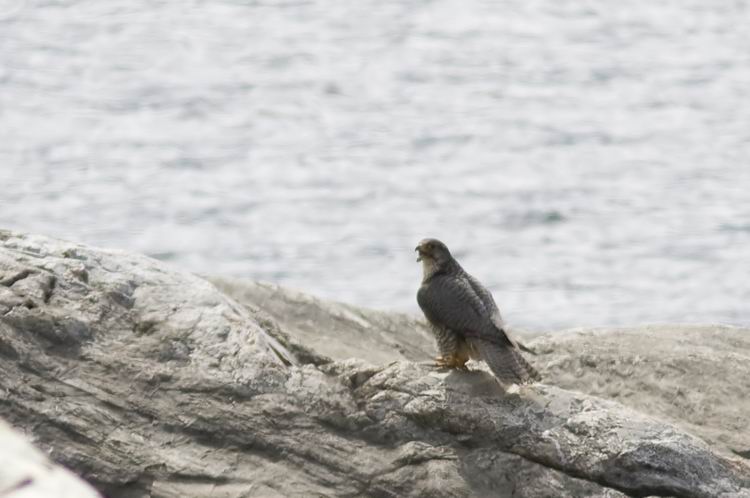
(151, 382)
(694, 376)
(26, 472)
(334, 330)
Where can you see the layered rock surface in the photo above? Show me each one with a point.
(26, 473)
(693, 376)
(151, 382)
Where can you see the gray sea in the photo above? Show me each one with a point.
(588, 161)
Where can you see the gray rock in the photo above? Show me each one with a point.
(694, 376)
(150, 382)
(26, 472)
(336, 330)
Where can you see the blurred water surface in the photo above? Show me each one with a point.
(589, 161)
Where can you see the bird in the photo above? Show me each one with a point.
(465, 319)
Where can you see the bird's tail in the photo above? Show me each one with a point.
(507, 363)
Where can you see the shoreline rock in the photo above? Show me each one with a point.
(25, 471)
(148, 381)
(694, 376)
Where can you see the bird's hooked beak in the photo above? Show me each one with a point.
(420, 253)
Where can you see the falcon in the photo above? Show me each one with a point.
(465, 319)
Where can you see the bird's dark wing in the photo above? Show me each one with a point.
(487, 300)
(450, 301)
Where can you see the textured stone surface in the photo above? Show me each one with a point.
(336, 330)
(26, 473)
(694, 376)
(150, 382)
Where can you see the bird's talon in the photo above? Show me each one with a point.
(442, 362)
(451, 362)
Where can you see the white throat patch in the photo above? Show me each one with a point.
(429, 267)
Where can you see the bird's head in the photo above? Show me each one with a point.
(433, 252)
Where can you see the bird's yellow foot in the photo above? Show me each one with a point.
(451, 361)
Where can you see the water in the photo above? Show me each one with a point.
(588, 161)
